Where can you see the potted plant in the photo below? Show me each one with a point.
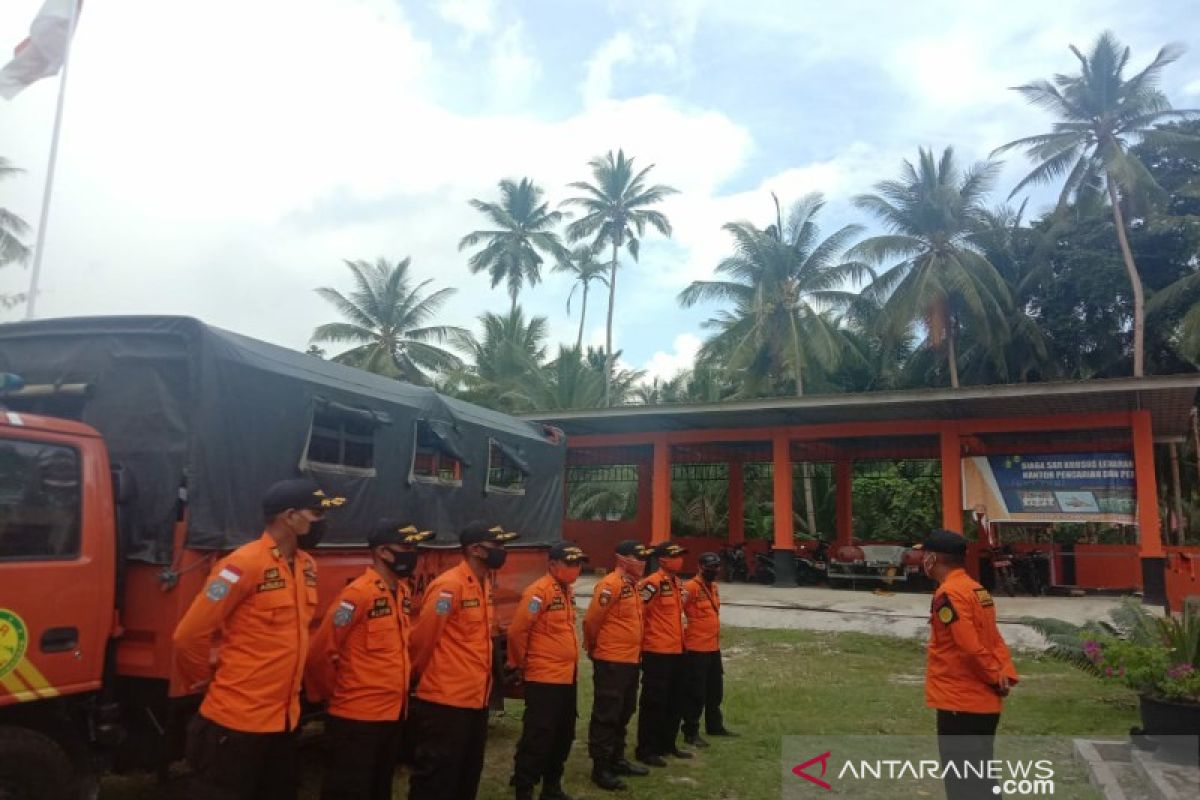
(1157, 657)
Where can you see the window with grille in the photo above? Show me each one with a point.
(436, 457)
(342, 439)
(507, 469)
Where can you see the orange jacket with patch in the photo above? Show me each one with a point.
(703, 609)
(966, 654)
(612, 626)
(358, 659)
(451, 642)
(262, 611)
(662, 596)
(542, 642)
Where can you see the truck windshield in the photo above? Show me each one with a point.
(39, 500)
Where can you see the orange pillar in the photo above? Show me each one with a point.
(785, 546)
(737, 504)
(1154, 589)
(951, 453)
(843, 475)
(660, 494)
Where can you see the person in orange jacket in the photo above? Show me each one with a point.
(660, 706)
(968, 670)
(358, 661)
(703, 674)
(544, 649)
(260, 598)
(451, 652)
(612, 637)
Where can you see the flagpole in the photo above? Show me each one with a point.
(39, 247)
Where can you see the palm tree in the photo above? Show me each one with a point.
(387, 319)
(523, 233)
(583, 265)
(12, 227)
(616, 211)
(1101, 113)
(781, 282)
(504, 358)
(941, 278)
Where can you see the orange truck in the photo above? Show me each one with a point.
(133, 453)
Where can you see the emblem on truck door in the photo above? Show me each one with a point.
(13, 641)
(18, 676)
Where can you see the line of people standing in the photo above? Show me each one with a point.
(375, 660)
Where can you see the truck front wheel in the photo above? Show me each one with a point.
(34, 767)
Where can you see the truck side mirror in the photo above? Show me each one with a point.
(124, 486)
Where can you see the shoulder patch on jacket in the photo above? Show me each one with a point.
(444, 602)
(648, 591)
(943, 609)
(605, 596)
(344, 614)
(535, 604)
(984, 598)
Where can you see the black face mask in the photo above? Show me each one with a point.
(710, 575)
(403, 563)
(495, 557)
(316, 532)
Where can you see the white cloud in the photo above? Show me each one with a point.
(515, 71)
(597, 85)
(1192, 88)
(474, 17)
(665, 365)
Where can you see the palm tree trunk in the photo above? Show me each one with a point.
(951, 353)
(582, 317)
(1135, 283)
(608, 351)
(810, 509)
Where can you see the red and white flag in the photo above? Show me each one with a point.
(41, 54)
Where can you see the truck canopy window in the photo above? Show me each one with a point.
(342, 439)
(39, 501)
(437, 457)
(507, 469)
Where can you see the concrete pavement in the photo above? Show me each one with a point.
(903, 614)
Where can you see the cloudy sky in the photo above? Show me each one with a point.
(220, 158)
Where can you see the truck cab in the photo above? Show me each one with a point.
(58, 581)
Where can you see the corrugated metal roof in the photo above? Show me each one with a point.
(1168, 398)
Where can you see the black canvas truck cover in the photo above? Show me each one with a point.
(210, 417)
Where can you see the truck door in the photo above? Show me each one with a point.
(56, 561)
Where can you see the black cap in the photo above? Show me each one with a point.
(299, 493)
(394, 531)
(943, 541)
(568, 553)
(631, 548)
(476, 532)
(710, 560)
(669, 549)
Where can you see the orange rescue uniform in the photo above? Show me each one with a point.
(663, 596)
(966, 655)
(451, 642)
(703, 608)
(612, 626)
(262, 610)
(359, 656)
(542, 642)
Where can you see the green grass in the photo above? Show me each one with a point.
(795, 683)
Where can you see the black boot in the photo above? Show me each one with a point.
(623, 766)
(677, 753)
(524, 793)
(651, 759)
(552, 790)
(605, 778)
(722, 732)
(694, 740)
